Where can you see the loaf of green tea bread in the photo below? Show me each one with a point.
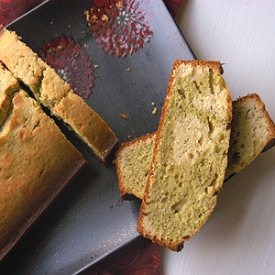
(252, 130)
(53, 93)
(190, 154)
(36, 161)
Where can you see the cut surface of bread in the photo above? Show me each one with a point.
(36, 161)
(252, 132)
(250, 121)
(52, 92)
(190, 154)
(133, 162)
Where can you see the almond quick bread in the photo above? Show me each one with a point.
(190, 154)
(36, 161)
(53, 93)
(252, 130)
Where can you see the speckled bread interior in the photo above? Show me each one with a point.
(190, 154)
(252, 130)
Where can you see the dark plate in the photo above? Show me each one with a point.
(88, 221)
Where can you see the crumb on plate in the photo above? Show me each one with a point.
(154, 111)
(123, 116)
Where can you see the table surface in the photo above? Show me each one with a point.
(239, 238)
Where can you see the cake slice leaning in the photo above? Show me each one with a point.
(252, 132)
(190, 154)
(53, 93)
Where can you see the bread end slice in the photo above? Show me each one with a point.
(132, 179)
(179, 197)
(253, 133)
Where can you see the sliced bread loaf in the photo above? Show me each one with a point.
(36, 162)
(134, 158)
(53, 93)
(190, 154)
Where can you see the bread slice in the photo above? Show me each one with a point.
(53, 93)
(134, 158)
(190, 154)
(133, 162)
(36, 162)
(253, 131)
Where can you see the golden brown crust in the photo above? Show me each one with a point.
(14, 53)
(37, 162)
(87, 124)
(214, 65)
(56, 95)
(124, 193)
(70, 175)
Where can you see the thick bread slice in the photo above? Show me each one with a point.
(134, 158)
(36, 162)
(52, 92)
(190, 154)
(253, 131)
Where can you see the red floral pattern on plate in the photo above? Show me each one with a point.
(71, 62)
(119, 26)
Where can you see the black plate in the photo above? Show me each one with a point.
(88, 221)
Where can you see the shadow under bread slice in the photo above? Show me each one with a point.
(190, 154)
(36, 162)
(56, 95)
(252, 132)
